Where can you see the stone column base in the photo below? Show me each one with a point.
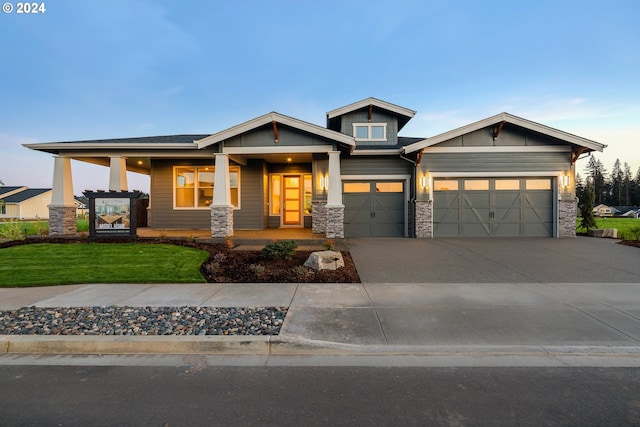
(221, 221)
(62, 220)
(567, 214)
(335, 222)
(424, 219)
(318, 216)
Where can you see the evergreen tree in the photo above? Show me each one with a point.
(616, 184)
(597, 176)
(588, 221)
(627, 180)
(580, 187)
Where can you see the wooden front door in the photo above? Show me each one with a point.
(292, 200)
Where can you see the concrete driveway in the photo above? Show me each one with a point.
(507, 260)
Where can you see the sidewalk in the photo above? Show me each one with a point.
(544, 321)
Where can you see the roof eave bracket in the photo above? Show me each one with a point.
(497, 130)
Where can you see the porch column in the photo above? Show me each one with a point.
(567, 203)
(62, 210)
(334, 208)
(221, 207)
(118, 174)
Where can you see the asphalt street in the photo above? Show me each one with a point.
(196, 395)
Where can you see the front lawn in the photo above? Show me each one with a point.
(42, 264)
(627, 227)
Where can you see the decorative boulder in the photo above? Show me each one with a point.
(611, 233)
(324, 260)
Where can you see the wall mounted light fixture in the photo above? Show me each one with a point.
(324, 183)
(565, 180)
(424, 182)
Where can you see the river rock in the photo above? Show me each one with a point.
(324, 260)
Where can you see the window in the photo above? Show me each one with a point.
(370, 131)
(507, 184)
(389, 187)
(194, 186)
(357, 187)
(476, 184)
(445, 185)
(538, 184)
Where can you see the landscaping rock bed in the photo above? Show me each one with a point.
(142, 321)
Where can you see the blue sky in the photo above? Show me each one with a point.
(109, 69)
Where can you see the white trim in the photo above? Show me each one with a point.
(281, 149)
(369, 126)
(524, 174)
(278, 118)
(505, 117)
(371, 101)
(109, 145)
(202, 208)
(501, 149)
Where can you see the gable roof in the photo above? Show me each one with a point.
(145, 142)
(10, 190)
(278, 118)
(404, 114)
(508, 118)
(25, 195)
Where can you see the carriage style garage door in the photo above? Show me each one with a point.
(373, 208)
(503, 207)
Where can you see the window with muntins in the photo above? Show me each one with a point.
(193, 186)
(370, 131)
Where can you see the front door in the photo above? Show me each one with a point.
(292, 200)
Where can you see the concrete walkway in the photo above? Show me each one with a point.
(423, 304)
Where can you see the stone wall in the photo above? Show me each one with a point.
(335, 222)
(221, 221)
(62, 220)
(567, 214)
(423, 218)
(318, 216)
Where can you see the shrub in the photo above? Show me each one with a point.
(329, 245)
(280, 249)
(257, 269)
(634, 232)
(301, 270)
(12, 230)
(41, 228)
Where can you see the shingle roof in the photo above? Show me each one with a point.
(5, 190)
(25, 195)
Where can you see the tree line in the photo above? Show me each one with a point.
(618, 188)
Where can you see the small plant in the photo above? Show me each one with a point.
(280, 249)
(12, 230)
(190, 238)
(229, 242)
(163, 234)
(41, 228)
(329, 245)
(257, 269)
(212, 268)
(635, 232)
(301, 271)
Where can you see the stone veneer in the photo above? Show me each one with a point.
(318, 216)
(423, 218)
(335, 222)
(62, 220)
(221, 221)
(567, 214)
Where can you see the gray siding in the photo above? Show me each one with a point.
(509, 136)
(494, 162)
(362, 116)
(162, 213)
(264, 137)
(375, 165)
(251, 215)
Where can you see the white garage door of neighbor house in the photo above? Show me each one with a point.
(374, 208)
(500, 207)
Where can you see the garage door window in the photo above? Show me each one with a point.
(357, 187)
(538, 184)
(389, 187)
(507, 184)
(476, 184)
(446, 185)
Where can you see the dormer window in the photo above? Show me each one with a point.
(370, 131)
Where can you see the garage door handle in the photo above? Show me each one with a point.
(373, 214)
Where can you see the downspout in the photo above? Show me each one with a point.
(412, 199)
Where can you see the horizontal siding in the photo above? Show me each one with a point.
(362, 116)
(250, 216)
(287, 136)
(495, 162)
(162, 213)
(510, 135)
(375, 165)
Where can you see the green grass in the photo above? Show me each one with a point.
(44, 264)
(626, 226)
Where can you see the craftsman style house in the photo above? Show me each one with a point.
(501, 176)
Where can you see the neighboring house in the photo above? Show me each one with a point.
(625, 211)
(82, 208)
(25, 203)
(501, 176)
(604, 210)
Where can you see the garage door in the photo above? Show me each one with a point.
(373, 208)
(502, 207)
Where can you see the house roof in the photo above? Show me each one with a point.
(145, 142)
(588, 144)
(403, 114)
(278, 118)
(7, 190)
(25, 195)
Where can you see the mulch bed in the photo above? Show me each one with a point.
(238, 266)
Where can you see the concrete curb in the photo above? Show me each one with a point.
(281, 346)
